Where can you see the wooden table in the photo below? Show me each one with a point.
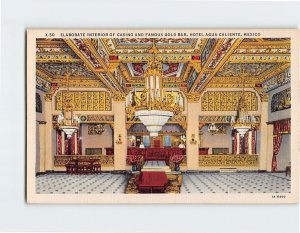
(151, 182)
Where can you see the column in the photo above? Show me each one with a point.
(120, 149)
(250, 142)
(75, 144)
(63, 142)
(238, 143)
(42, 144)
(49, 155)
(192, 151)
(266, 139)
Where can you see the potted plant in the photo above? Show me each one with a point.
(177, 159)
(133, 160)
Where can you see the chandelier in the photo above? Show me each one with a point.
(212, 128)
(67, 121)
(243, 121)
(154, 106)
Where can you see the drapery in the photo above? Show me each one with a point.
(59, 142)
(66, 146)
(78, 143)
(280, 127)
(253, 141)
(246, 142)
(234, 142)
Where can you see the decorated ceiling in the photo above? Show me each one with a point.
(190, 64)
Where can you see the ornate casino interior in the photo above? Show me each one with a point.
(163, 115)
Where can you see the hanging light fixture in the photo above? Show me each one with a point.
(243, 121)
(155, 106)
(212, 128)
(67, 121)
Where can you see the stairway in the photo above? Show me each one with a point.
(155, 166)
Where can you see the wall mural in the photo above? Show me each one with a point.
(281, 100)
(227, 100)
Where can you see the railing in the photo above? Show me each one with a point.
(62, 160)
(228, 160)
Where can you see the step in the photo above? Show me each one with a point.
(228, 170)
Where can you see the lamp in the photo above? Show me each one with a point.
(67, 121)
(242, 122)
(212, 128)
(155, 106)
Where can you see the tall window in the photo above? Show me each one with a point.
(146, 141)
(38, 103)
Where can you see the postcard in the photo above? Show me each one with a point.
(162, 116)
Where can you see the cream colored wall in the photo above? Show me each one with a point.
(96, 141)
(284, 155)
(217, 140)
(41, 116)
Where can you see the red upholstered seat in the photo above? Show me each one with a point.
(152, 182)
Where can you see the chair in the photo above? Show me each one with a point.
(288, 170)
(71, 167)
(97, 166)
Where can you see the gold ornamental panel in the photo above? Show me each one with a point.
(227, 100)
(84, 100)
(228, 160)
(62, 160)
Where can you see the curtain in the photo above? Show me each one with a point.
(280, 127)
(73, 144)
(66, 146)
(253, 141)
(234, 143)
(246, 143)
(78, 143)
(58, 142)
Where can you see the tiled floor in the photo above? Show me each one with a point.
(192, 183)
(235, 183)
(73, 184)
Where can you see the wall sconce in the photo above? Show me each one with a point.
(193, 140)
(119, 141)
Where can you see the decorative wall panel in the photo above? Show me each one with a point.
(227, 100)
(281, 100)
(85, 100)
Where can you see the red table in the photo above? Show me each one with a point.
(150, 182)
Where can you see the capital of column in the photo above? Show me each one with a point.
(119, 97)
(193, 97)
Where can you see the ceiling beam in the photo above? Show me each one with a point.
(107, 68)
(208, 71)
(91, 66)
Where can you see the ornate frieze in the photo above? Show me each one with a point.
(42, 84)
(84, 100)
(281, 100)
(219, 119)
(227, 100)
(277, 81)
(228, 160)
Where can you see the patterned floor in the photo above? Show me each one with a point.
(192, 183)
(235, 183)
(73, 184)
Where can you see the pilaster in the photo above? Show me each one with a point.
(48, 136)
(192, 136)
(42, 145)
(120, 135)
